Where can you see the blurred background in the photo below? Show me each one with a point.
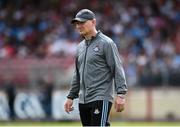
(38, 44)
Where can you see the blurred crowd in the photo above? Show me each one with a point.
(147, 33)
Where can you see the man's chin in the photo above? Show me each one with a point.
(81, 33)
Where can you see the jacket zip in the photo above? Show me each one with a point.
(83, 70)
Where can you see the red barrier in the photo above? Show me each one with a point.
(20, 70)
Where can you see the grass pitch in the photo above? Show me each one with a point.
(77, 123)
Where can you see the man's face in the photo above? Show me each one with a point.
(84, 28)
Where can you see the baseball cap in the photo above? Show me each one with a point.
(83, 15)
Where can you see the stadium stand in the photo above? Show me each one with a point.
(147, 34)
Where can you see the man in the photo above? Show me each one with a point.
(98, 65)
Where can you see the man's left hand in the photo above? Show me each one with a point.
(119, 104)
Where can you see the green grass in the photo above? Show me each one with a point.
(40, 123)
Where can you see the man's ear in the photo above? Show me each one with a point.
(94, 21)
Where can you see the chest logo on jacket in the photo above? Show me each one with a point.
(96, 49)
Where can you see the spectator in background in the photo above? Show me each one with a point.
(46, 89)
(11, 94)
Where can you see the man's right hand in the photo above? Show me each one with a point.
(68, 105)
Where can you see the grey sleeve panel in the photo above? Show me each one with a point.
(75, 84)
(115, 64)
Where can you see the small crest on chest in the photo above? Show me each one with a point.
(96, 49)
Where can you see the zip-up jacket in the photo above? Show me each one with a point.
(97, 68)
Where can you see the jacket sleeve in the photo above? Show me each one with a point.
(115, 64)
(75, 83)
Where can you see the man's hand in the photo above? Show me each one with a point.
(119, 103)
(68, 105)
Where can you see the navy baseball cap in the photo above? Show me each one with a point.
(83, 15)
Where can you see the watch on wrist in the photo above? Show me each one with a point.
(69, 97)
